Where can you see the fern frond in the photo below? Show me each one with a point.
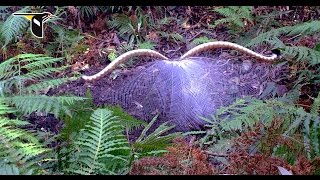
(13, 26)
(46, 84)
(172, 36)
(17, 146)
(201, 40)
(315, 105)
(17, 70)
(244, 114)
(146, 45)
(155, 141)
(41, 103)
(11, 169)
(126, 120)
(227, 12)
(37, 61)
(41, 73)
(306, 28)
(299, 53)
(101, 143)
(235, 15)
(303, 53)
(5, 11)
(122, 22)
(89, 11)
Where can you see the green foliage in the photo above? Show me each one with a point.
(297, 52)
(172, 36)
(122, 22)
(154, 143)
(13, 27)
(81, 112)
(128, 28)
(17, 71)
(234, 16)
(5, 12)
(128, 122)
(201, 40)
(90, 11)
(146, 45)
(315, 105)
(6, 169)
(245, 113)
(25, 74)
(67, 42)
(112, 55)
(51, 83)
(133, 29)
(42, 103)
(100, 148)
(20, 151)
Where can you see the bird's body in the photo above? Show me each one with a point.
(182, 90)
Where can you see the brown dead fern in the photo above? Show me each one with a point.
(181, 159)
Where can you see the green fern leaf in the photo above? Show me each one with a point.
(126, 120)
(155, 141)
(101, 143)
(13, 26)
(315, 105)
(18, 70)
(146, 45)
(45, 84)
(44, 104)
(297, 52)
(17, 146)
(201, 40)
(234, 15)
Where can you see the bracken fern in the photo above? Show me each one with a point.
(298, 52)
(19, 149)
(155, 142)
(234, 15)
(25, 75)
(245, 113)
(315, 105)
(19, 70)
(100, 148)
(13, 27)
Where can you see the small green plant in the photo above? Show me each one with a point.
(81, 112)
(154, 143)
(129, 29)
(172, 37)
(235, 17)
(201, 40)
(297, 53)
(102, 148)
(21, 152)
(67, 43)
(133, 29)
(90, 11)
(244, 114)
(24, 77)
(146, 45)
(112, 55)
(13, 27)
